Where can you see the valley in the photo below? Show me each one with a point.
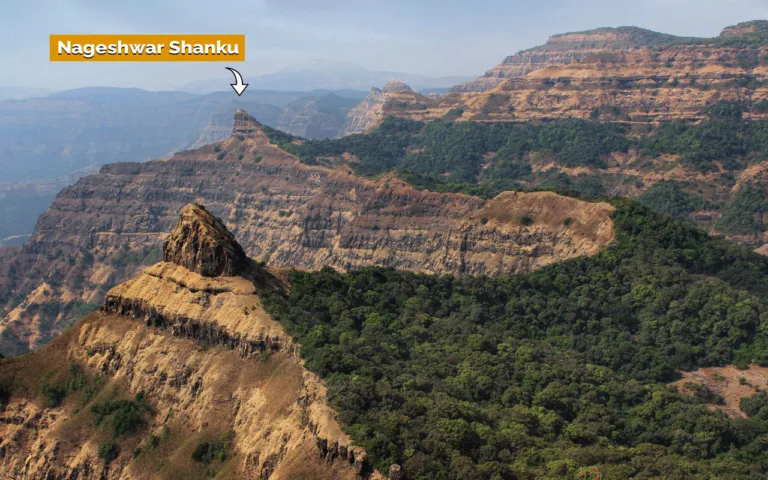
(556, 270)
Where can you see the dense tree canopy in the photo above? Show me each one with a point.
(558, 373)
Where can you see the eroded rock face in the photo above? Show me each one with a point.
(206, 357)
(567, 48)
(640, 75)
(366, 114)
(286, 214)
(201, 243)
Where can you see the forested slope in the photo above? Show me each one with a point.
(712, 173)
(555, 374)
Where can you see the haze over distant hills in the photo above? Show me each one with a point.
(18, 93)
(47, 143)
(328, 75)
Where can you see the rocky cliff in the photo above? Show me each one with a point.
(568, 48)
(287, 214)
(206, 366)
(627, 75)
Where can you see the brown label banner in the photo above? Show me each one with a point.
(147, 48)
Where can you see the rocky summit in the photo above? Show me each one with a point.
(201, 243)
(193, 367)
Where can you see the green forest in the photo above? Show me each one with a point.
(485, 159)
(458, 149)
(559, 373)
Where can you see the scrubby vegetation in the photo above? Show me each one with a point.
(216, 450)
(484, 159)
(555, 374)
(55, 388)
(456, 151)
(726, 138)
(745, 212)
(125, 416)
(108, 451)
(671, 199)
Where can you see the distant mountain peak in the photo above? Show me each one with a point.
(567, 48)
(610, 37)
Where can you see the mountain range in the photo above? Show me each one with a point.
(46, 143)
(329, 75)
(553, 271)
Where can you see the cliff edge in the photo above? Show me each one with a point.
(182, 372)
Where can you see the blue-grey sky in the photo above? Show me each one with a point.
(430, 37)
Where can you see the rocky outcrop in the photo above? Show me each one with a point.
(201, 243)
(286, 214)
(369, 112)
(756, 27)
(366, 114)
(205, 356)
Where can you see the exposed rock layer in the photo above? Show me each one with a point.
(287, 214)
(567, 48)
(626, 74)
(148, 339)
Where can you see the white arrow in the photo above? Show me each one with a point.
(238, 86)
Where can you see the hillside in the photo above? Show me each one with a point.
(182, 374)
(185, 371)
(630, 75)
(567, 48)
(559, 373)
(712, 173)
(100, 231)
(194, 368)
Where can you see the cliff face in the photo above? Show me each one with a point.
(285, 213)
(367, 113)
(645, 86)
(568, 48)
(207, 361)
(625, 74)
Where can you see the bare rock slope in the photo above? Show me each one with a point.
(207, 362)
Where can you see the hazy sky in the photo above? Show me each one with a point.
(431, 37)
